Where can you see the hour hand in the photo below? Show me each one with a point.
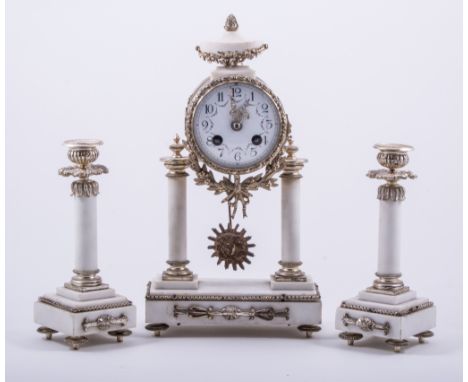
(238, 114)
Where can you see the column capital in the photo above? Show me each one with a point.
(392, 156)
(177, 163)
(292, 165)
(83, 152)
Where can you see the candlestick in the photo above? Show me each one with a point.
(84, 305)
(388, 308)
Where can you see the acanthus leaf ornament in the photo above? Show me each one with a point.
(83, 153)
(392, 157)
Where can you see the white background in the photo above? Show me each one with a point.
(349, 73)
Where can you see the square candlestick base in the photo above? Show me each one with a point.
(394, 318)
(80, 314)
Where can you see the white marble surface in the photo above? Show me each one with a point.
(216, 286)
(389, 238)
(85, 303)
(290, 219)
(299, 312)
(241, 70)
(403, 327)
(85, 233)
(159, 283)
(85, 296)
(309, 284)
(70, 324)
(177, 222)
(229, 41)
(387, 299)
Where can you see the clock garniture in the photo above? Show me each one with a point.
(388, 309)
(85, 305)
(237, 139)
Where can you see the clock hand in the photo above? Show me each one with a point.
(238, 114)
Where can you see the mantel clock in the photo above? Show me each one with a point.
(238, 140)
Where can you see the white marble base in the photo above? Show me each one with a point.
(164, 306)
(66, 315)
(292, 285)
(85, 296)
(159, 283)
(387, 299)
(404, 320)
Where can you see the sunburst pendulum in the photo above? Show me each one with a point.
(231, 246)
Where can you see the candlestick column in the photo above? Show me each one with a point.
(391, 195)
(84, 191)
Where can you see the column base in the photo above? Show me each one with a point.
(289, 272)
(86, 281)
(177, 271)
(388, 284)
(308, 284)
(160, 283)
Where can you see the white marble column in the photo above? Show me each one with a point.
(177, 211)
(389, 238)
(177, 214)
(85, 234)
(290, 219)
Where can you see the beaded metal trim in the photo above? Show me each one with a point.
(388, 312)
(90, 308)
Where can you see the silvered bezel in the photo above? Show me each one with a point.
(198, 96)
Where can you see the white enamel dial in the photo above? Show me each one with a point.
(237, 126)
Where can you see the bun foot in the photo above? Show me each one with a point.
(350, 337)
(397, 344)
(76, 342)
(47, 331)
(423, 335)
(309, 329)
(120, 334)
(157, 328)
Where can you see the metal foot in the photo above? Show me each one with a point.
(76, 342)
(47, 331)
(120, 334)
(423, 335)
(350, 337)
(157, 328)
(397, 344)
(309, 329)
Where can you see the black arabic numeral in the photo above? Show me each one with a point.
(236, 91)
(209, 108)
